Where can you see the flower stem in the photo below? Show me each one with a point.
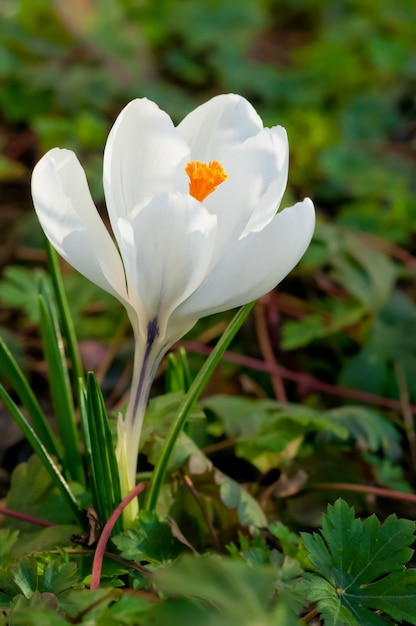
(146, 360)
(189, 402)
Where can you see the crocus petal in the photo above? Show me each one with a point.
(266, 207)
(255, 264)
(144, 156)
(257, 176)
(166, 263)
(71, 222)
(213, 128)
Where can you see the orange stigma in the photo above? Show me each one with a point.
(204, 178)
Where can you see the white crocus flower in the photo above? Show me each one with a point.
(193, 210)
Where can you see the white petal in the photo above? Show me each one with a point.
(256, 264)
(167, 249)
(71, 222)
(257, 177)
(144, 155)
(268, 204)
(215, 127)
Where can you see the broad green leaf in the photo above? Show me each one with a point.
(228, 585)
(128, 611)
(45, 539)
(361, 567)
(265, 428)
(33, 616)
(235, 496)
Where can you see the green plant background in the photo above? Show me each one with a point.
(341, 77)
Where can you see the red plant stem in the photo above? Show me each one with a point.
(299, 377)
(25, 518)
(267, 350)
(105, 535)
(376, 491)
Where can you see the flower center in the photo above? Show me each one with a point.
(204, 178)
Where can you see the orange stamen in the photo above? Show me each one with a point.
(204, 178)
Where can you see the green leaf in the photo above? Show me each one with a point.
(369, 429)
(152, 541)
(45, 539)
(45, 458)
(58, 577)
(235, 496)
(18, 289)
(60, 385)
(365, 272)
(25, 576)
(334, 317)
(7, 541)
(188, 403)
(360, 566)
(227, 584)
(12, 372)
(100, 455)
(128, 611)
(65, 316)
(267, 426)
(41, 613)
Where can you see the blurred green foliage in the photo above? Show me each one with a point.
(339, 75)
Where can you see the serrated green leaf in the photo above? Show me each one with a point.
(383, 548)
(58, 577)
(395, 595)
(152, 541)
(267, 426)
(25, 576)
(352, 556)
(331, 610)
(369, 429)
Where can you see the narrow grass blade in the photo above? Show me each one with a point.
(178, 375)
(100, 455)
(60, 386)
(11, 371)
(41, 451)
(188, 403)
(66, 321)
